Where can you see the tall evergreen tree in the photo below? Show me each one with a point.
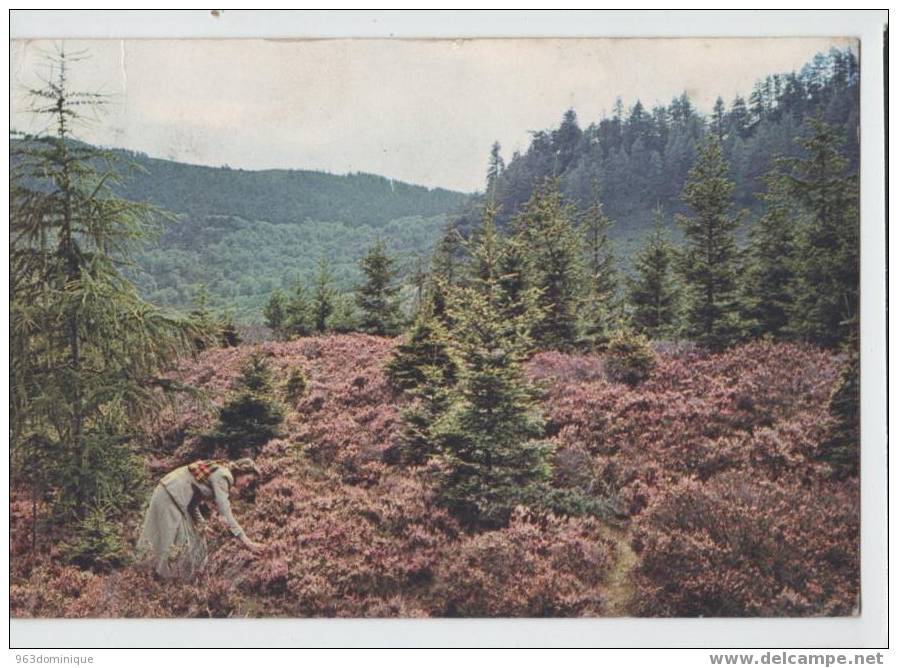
(423, 352)
(554, 250)
(499, 271)
(444, 270)
(710, 257)
(494, 170)
(86, 351)
(377, 297)
(738, 118)
(489, 437)
(602, 305)
(250, 417)
(323, 297)
(652, 290)
(769, 282)
(719, 119)
(829, 241)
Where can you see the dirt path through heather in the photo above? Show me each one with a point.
(619, 588)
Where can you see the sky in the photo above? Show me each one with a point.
(421, 111)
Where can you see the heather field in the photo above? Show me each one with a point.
(721, 504)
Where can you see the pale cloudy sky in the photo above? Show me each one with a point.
(423, 111)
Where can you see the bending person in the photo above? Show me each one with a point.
(170, 538)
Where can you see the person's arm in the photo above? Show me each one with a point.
(221, 487)
(197, 514)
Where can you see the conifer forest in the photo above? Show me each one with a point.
(620, 379)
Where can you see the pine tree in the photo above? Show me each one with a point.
(489, 437)
(323, 298)
(829, 241)
(423, 350)
(494, 170)
(86, 351)
(444, 270)
(377, 296)
(602, 306)
(499, 271)
(710, 256)
(553, 250)
(429, 400)
(207, 327)
(718, 119)
(250, 417)
(344, 317)
(652, 290)
(276, 312)
(296, 312)
(769, 283)
(738, 119)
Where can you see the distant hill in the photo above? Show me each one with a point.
(244, 233)
(282, 195)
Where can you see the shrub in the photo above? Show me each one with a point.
(98, 544)
(296, 385)
(629, 358)
(747, 547)
(535, 567)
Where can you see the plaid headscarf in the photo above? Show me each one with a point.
(203, 468)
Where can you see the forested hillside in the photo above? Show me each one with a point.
(640, 157)
(242, 234)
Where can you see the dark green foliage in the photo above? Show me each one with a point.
(653, 293)
(212, 328)
(829, 241)
(768, 285)
(296, 385)
(444, 272)
(276, 313)
(297, 312)
(517, 297)
(424, 350)
(250, 417)
(629, 358)
(377, 297)
(601, 308)
(85, 351)
(344, 317)
(98, 543)
(709, 261)
(283, 196)
(489, 437)
(494, 170)
(499, 269)
(323, 297)
(430, 398)
(553, 248)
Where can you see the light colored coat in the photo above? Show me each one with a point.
(170, 539)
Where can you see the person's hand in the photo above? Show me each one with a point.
(252, 546)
